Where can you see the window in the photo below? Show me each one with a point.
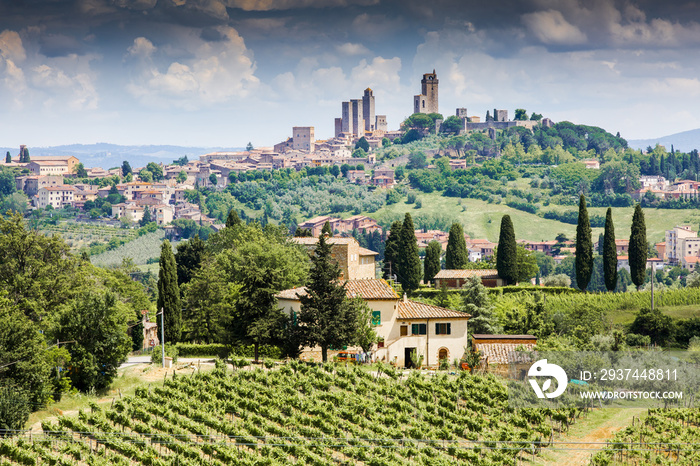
(376, 317)
(403, 330)
(419, 329)
(443, 329)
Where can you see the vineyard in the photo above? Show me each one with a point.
(79, 235)
(299, 414)
(665, 437)
(139, 250)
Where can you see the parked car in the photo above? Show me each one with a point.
(347, 356)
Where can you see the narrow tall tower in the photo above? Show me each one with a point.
(368, 109)
(427, 101)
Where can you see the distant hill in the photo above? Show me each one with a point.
(684, 142)
(112, 155)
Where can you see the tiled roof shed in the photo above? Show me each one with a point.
(467, 273)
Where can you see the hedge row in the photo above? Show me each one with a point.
(500, 290)
(190, 350)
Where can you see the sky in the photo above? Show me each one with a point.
(224, 73)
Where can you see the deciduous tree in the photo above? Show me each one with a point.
(97, 323)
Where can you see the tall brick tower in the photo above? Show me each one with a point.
(368, 110)
(427, 101)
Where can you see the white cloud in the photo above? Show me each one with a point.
(219, 71)
(142, 48)
(11, 47)
(550, 27)
(349, 48)
(380, 73)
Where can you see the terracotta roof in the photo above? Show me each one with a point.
(505, 353)
(416, 310)
(467, 273)
(371, 289)
(59, 188)
(691, 259)
(486, 336)
(310, 240)
(367, 252)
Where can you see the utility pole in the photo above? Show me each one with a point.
(162, 336)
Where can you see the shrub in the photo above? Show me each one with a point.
(157, 354)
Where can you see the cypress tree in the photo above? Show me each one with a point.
(456, 255)
(609, 253)
(232, 219)
(584, 246)
(507, 252)
(431, 265)
(169, 294)
(391, 250)
(326, 230)
(8, 157)
(638, 248)
(409, 261)
(25, 155)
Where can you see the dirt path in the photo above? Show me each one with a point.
(587, 437)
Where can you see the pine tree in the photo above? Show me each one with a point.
(169, 294)
(409, 261)
(638, 248)
(456, 255)
(232, 219)
(431, 265)
(327, 230)
(391, 250)
(507, 252)
(326, 318)
(609, 253)
(584, 246)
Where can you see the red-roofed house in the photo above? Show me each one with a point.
(457, 278)
(56, 196)
(404, 327)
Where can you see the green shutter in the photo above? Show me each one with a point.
(414, 329)
(376, 317)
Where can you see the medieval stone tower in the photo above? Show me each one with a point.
(427, 101)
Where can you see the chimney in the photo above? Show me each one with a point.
(405, 298)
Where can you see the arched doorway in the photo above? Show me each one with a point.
(443, 353)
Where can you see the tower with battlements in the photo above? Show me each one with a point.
(427, 100)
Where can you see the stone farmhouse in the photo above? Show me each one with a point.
(404, 327)
(355, 262)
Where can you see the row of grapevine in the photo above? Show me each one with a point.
(663, 437)
(299, 414)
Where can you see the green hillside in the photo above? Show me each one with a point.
(299, 414)
(482, 220)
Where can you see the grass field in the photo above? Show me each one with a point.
(482, 220)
